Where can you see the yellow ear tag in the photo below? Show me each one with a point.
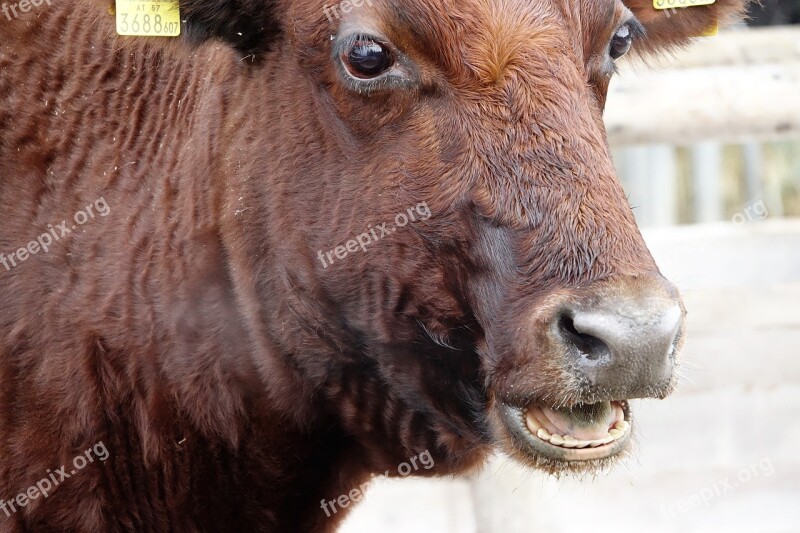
(677, 4)
(148, 18)
(712, 31)
(670, 6)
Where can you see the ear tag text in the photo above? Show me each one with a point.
(148, 18)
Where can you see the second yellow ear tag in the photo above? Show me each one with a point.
(677, 4)
(148, 18)
(712, 31)
(672, 5)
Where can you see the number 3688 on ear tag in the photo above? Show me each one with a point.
(148, 18)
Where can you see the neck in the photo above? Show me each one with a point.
(184, 320)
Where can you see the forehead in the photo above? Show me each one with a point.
(431, 16)
(487, 36)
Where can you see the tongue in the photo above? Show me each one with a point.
(588, 422)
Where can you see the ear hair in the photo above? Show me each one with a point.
(250, 26)
(675, 27)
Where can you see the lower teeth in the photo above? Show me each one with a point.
(617, 431)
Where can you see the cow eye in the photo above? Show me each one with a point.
(621, 42)
(367, 58)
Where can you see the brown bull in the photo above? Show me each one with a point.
(246, 268)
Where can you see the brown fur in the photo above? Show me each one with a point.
(236, 382)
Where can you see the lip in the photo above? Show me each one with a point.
(520, 425)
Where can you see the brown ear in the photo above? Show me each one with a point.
(667, 28)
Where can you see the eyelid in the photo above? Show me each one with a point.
(343, 44)
(402, 74)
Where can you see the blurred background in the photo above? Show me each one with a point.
(707, 145)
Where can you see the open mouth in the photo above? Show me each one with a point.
(584, 432)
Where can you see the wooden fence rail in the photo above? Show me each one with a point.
(732, 87)
(740, 87)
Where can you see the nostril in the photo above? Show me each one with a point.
(591, 349)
